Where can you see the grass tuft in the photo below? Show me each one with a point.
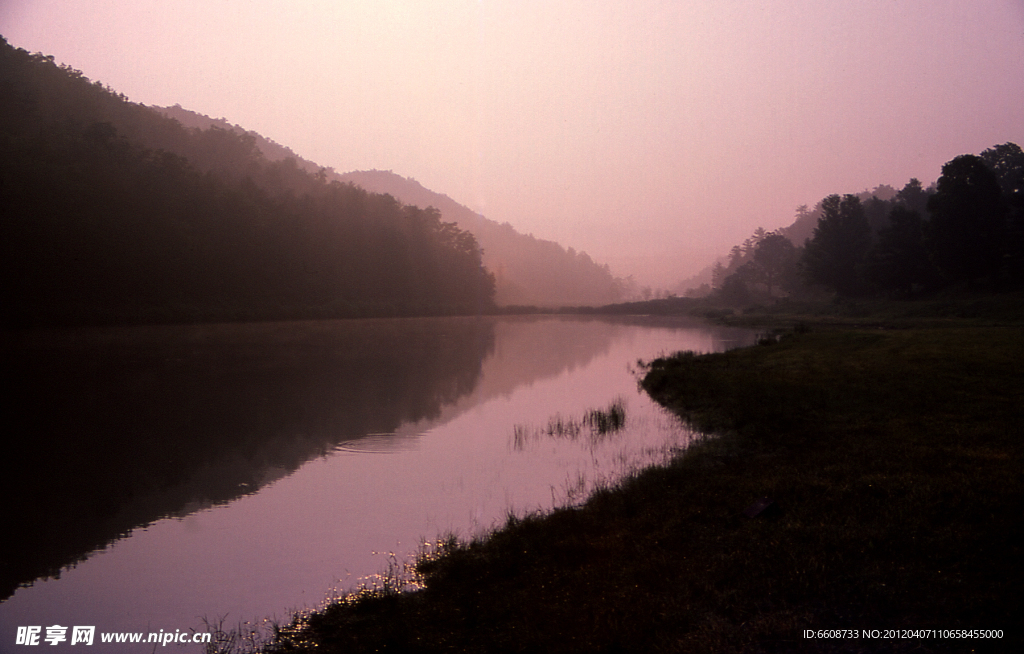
(595, 426)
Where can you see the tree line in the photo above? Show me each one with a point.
(111, 212)
(967, 229)
(527, 270)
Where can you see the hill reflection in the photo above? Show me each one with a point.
(119, 427)
(115, 428)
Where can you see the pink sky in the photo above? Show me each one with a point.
(652, 134)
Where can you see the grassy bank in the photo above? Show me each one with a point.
(893, 462)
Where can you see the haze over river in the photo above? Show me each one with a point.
(241, 471)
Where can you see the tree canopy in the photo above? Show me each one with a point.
(968, 228)
(112, 212)
(835, 254)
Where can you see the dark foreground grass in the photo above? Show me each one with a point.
(893, 460)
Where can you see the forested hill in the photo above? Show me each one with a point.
(964, 233)
(528, 270)
(112, 212)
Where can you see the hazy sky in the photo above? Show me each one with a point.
(628, 129)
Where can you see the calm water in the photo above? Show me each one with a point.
(239, 472)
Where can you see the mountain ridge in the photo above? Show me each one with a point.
(114, 213)
(527, 270)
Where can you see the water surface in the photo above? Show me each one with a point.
(239, 472)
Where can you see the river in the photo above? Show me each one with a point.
(235, 473)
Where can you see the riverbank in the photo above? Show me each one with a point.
(892, 460)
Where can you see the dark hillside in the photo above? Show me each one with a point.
(112, 212)
(528, 270)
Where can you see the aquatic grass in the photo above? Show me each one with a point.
(608, 420)
(595, 426)
(400, 574)
(893, 460)
(573, 491)
(383, 593)
(560, 427)
(244, 638)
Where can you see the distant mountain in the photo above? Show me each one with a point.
(527, 270)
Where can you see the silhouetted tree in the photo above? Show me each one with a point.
(884, 192)
(804, 223)
(876, 211)
(834, 256)
(774, 259)
(914, 197)
(734, 289)
(967, 228)
(899, 261)
(1007, 162)
(718, 275)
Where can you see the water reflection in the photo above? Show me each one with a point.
(334, 440)
(118, 427)
(387, 443)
